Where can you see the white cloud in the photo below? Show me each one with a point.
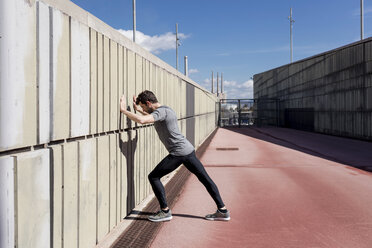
(248, 84)
(156, 43)
(191, 71)
(235, 90)
(228, 83)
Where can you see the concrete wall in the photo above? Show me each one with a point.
(329, 93)
(72, 167)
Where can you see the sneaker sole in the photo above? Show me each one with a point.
(223, 219)
(160, 220)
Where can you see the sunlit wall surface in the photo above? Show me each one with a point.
(71, 167)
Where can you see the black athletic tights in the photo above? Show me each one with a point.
(192, 163)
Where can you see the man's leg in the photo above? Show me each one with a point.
(194, 165)
(167, 165)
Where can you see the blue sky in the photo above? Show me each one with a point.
(238, 37)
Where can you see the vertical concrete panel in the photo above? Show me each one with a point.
(60, 87)
(149, 158)
(87, 192)
(159, 84)
(43, 73)
(132, 147)
(120, 81)
(18, 106)
(100, 85)
(7, 203)
(197, 131)
(198, 102)
(139, 74)
(171, 91)
(131, 83)
(70, 194)
(57, 172)
(114, 90)
(118, 179)
(136, 162)
(179, 97)
(164, 87)
(103, 187)
(123, 139)
(148, 75)
(125, 81)
(135, 166)
(143, 164)
(80, 86)
(93, 82)
(124, 152)
(152, 78)
(168, 89)
(183, 99)
(32, 192)
(113, 180)
(106, 84)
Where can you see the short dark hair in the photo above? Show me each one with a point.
(145, 96)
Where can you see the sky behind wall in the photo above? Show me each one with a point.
(237, 37)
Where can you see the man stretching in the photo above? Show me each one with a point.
(180, 152)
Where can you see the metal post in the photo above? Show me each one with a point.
(217, 85)
(361, 20)
(221, 83)
(212, 83)
(177, 46)
(134, 20)
(291, 21)
(219, 114)
(186, 69)
(239, 112)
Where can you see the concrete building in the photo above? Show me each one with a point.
(328, 93)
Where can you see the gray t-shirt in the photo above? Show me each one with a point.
(169, 133)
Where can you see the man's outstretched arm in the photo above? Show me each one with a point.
(142, 119)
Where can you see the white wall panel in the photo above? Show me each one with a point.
(43, 35)
(32, 193)
(18, 122)
(57, 164)
(7, 202)
(103, 193)
(60, 87)
(79, 79)
(87, 192)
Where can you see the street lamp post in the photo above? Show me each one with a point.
(134, 20)
(361, 20)
(177, 44)
(291, 21)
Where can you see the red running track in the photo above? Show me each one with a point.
(284, 188)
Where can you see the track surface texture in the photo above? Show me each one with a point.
(284, 188)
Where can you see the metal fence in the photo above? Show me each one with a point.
(248, 112)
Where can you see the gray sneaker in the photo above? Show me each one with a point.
(218, 216)
(161, 216)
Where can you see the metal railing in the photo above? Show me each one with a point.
(248, 112)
